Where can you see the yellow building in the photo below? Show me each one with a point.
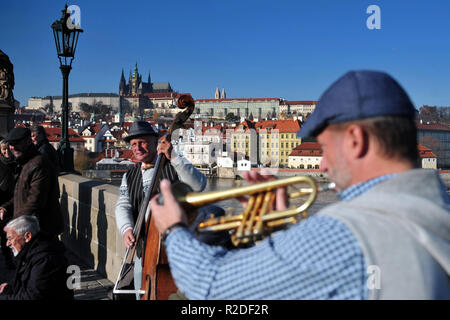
(277, 138)
(244, 141)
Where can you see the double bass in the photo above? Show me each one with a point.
(157, 282)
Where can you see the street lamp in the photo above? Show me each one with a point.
(66, 38)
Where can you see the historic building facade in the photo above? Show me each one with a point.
(299, 108)
(306, 155)
(259, 108)
(75, 101)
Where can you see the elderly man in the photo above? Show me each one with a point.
(41, 272)
(136, 181)
(36, 189)
(388, 237)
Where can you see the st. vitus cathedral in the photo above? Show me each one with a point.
(137, 87)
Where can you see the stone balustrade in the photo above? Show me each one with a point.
(90, 225)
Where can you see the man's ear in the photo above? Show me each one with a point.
(357, 141)
(28, 236)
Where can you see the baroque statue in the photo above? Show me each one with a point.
(6, 94)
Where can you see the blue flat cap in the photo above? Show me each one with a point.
(355, 96)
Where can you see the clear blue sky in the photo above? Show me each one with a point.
(252, 48)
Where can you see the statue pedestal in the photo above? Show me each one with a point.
(6, 119)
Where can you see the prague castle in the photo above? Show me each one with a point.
(136, 86)
(137, 95)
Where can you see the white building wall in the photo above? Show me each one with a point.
(429, 163)
(296, 162)
(37, 102)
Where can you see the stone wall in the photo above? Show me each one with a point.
(90, 226)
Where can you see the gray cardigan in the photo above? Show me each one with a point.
(403, 227)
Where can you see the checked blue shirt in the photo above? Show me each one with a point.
(317, 259)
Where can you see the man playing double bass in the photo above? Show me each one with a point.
(136, 182)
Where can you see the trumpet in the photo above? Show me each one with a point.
(258, 219)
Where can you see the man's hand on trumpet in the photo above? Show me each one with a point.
(171, 213)
(281, 199)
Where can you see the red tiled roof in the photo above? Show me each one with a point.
(54, 134)
(212, 130)
(307, 149)
(432, 126)
(425, 152)
(281, 125)
(245, 126)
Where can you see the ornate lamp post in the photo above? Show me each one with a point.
(66, 39)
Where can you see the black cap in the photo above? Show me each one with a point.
(17, 134)
(140, 128)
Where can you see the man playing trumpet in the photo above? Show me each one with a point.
(388, 237)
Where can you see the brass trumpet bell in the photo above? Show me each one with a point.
(258, 218)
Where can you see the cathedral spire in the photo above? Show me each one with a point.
(122, 77)
(136, 72)
(217, 94)
(122, 84)
(149, 78)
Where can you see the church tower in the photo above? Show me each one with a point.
(135, 81)
(122, 85)
(217, 94)
(224, 95)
